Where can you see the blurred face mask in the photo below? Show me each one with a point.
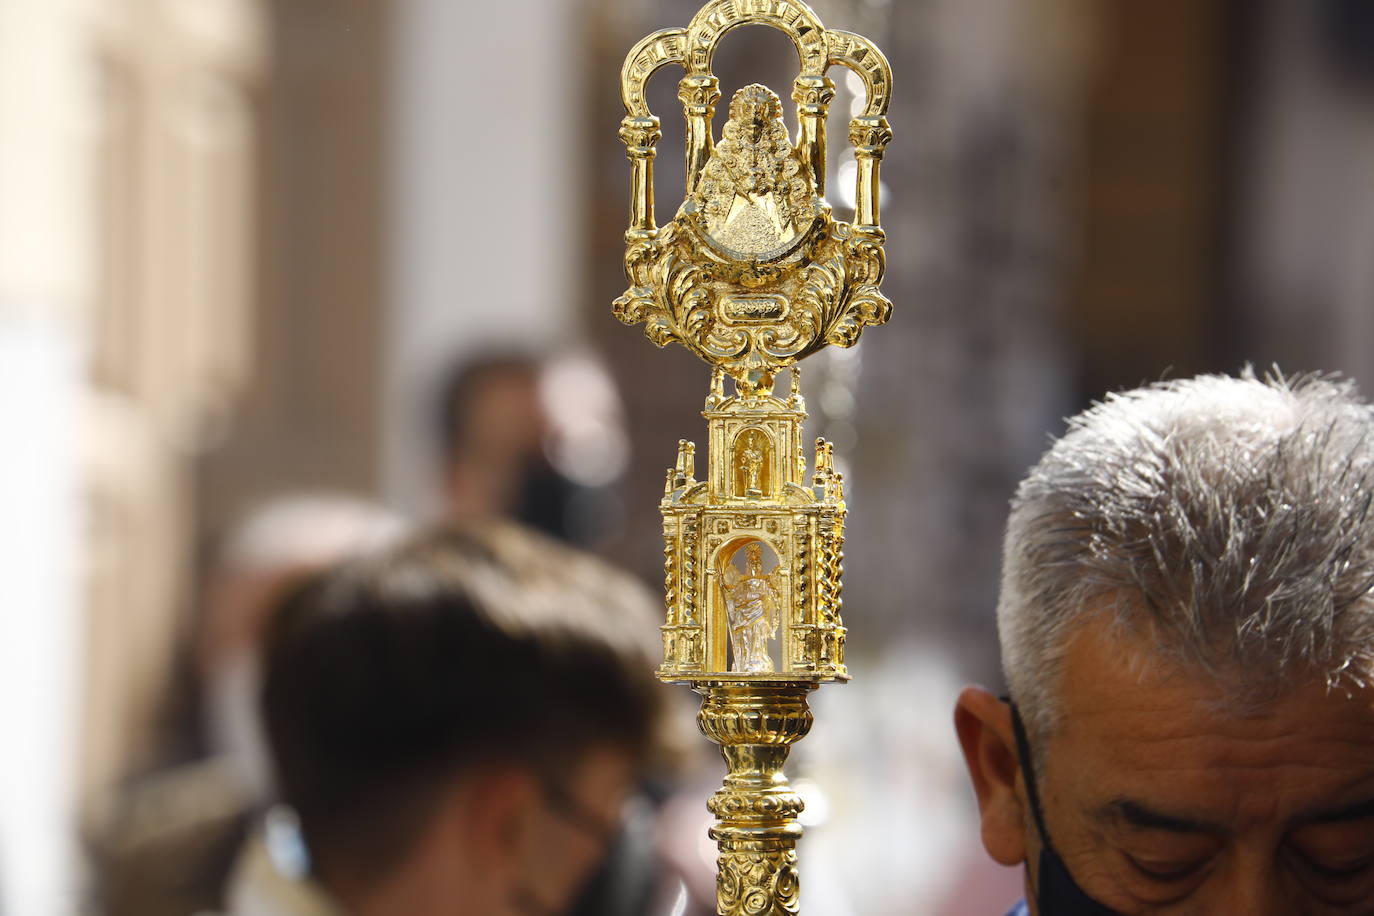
(1056, 892)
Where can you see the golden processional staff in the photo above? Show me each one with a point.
(753, 274)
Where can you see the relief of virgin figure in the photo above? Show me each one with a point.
(755, 193)
(753, 602)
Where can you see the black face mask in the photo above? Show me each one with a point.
(1056, 893)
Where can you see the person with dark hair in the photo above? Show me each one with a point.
(539, 440)
(454, 725)
(491, 427)
(1187, 631)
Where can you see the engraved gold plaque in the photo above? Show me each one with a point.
(753, 274)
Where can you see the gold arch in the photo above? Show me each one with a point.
(863, 57)
(727, 552)
(694, 48)
(653, 53)
(792, 17)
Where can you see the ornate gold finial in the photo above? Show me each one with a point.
(752, 274)
(686, 462)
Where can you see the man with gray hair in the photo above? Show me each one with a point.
(1187, 632)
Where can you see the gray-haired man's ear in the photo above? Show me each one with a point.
(985, 734)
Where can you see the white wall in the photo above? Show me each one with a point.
(483, 177)
(44, 283)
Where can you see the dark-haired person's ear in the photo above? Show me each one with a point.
(985, 733)
(503, 803)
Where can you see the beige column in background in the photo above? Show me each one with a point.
(174, 129)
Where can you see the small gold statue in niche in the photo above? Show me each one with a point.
(752, 601)
(753, 461)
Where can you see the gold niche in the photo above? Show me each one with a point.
(753, 464)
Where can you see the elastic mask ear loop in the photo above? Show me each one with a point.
(1054, 888)
(1028, 766)
(1032, 791)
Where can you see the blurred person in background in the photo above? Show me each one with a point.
(541, 440)
(455, 726)
(173, 835)
(538, 440)
(1187, 633)
(491, 427)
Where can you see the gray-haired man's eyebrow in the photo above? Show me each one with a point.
(1356, 812)
(1136, 814)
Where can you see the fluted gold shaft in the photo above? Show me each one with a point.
(756, 810)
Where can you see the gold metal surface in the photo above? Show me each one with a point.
(753, 274)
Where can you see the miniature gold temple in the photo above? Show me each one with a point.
(752, 553)
(753, 274)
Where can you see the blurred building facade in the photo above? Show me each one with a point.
(240, 238)
(129, 136)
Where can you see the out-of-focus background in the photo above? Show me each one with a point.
(243, 241)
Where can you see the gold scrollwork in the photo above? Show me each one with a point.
(758, 882)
